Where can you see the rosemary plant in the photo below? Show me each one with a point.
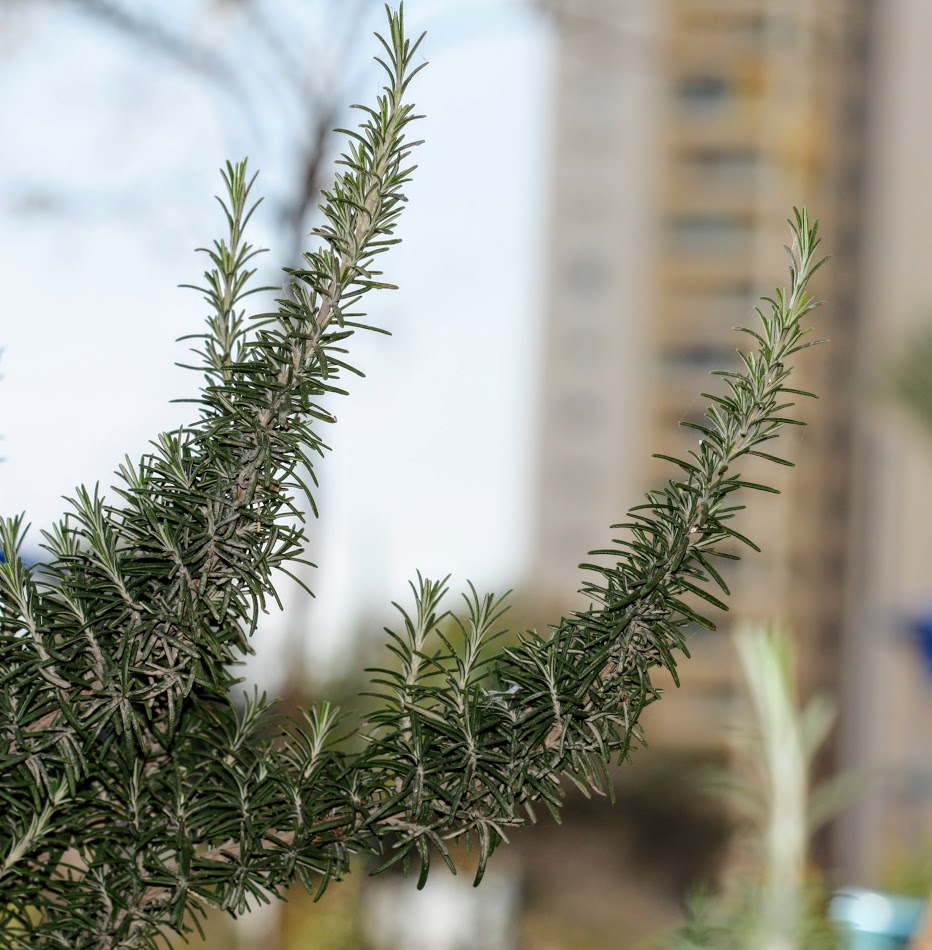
(136, 792)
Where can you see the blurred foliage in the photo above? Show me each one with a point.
(770, 899)
(736, 925)
(909, 873)
(334, 923)
(910, 376)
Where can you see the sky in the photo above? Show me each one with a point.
(107, 170)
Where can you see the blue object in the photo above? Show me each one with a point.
(28, 561)
(923, 627)
(875, 921)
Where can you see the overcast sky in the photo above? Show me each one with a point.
(107, 170)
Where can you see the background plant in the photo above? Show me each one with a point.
(910, 376)
(771, 900)
(137, 792)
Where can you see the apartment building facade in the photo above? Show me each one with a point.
(685, 133)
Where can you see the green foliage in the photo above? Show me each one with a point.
(136, 792)
(771, 902)
(909, 873)
(910, 376)
(737, 923)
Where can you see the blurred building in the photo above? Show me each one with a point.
(685, 132)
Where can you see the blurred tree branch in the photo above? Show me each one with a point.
(291, 97)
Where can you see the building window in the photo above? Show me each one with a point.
(578, 410)
(749, 26)
(727, 302)
(709, 233)
(575, 478)
(586, 274)
(584, 347)
(723, 166)
(704, 94)
(699, 357)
